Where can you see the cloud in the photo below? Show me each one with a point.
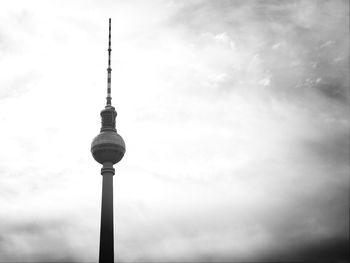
(37, 240)
(297, 43)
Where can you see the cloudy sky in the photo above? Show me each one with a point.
(234, 114)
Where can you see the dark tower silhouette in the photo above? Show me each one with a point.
(107, 148)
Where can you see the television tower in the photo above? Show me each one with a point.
(107, 148)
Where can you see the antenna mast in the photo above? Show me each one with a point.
(109, 69)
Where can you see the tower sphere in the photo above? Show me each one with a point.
(108, 146)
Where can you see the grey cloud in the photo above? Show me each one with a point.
(333, 149)
(217, 235)
(303, 45)
(36, 241)
(17, 84)
(14, 26)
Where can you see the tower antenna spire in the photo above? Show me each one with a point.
(109, 69)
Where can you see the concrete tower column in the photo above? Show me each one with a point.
(107, 230)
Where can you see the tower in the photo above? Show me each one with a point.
(107, 148)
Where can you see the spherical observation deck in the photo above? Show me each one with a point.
(108, 146)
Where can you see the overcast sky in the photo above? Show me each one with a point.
(234, 114)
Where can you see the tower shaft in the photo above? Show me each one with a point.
(107, 229)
